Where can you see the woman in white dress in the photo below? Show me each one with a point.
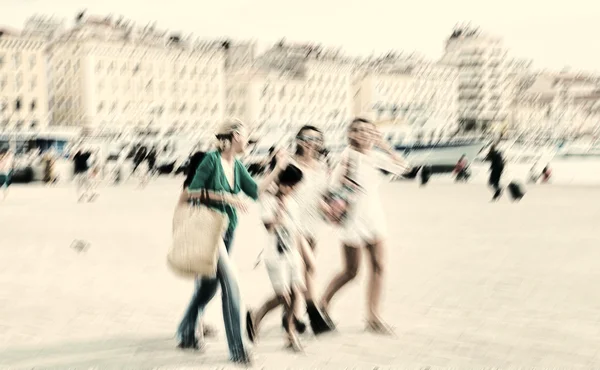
(365, 226)
(307, 198)
(308, 157)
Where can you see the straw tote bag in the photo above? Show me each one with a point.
(197, 236)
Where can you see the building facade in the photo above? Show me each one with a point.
(408, 90)
(23, 81)
(562, 103)
(110, 75)
(290, 86)
(485, 96)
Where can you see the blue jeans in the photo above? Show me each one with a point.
(205, 290)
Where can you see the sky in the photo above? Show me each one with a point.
(554, 34)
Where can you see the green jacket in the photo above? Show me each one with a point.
(210, 176)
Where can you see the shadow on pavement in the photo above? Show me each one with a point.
(115, 353)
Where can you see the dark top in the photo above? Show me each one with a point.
(193, 163)
(140, 155)
(80, 161)
(496, 161)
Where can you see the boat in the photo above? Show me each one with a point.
(580, 148)
(440, 153)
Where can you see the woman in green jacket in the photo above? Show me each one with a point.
(224, 177)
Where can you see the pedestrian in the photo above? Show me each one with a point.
(224, 177)
(139, 157)
(282, 256)
(6, 169)
(496, 169)
(364, 225)
(81, 167)
(307, 197)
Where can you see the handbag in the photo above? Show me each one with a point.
(339, 201)
(197, 237)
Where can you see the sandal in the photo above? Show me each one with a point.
(191, 343)
(298, 324)
(294, 344)
(379, 327)
(320, 322)
(246, 360)
(250, 328)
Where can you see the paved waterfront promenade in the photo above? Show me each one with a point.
(470, 284)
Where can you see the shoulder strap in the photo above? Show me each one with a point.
(350, 165)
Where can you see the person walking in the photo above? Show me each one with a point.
(364, 226)
(307, 197)
(283, 257)
(81, 166)
(496, 169)
(224, 176)
(6, 168)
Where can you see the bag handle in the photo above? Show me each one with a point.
(204, 197)
(349, 170)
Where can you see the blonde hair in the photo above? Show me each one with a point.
(225, 131)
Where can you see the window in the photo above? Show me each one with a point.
(18, 81)
(1, 60)
(18, 104)
(2, 82)
(32, 61)
(33, 83)
(3, 105)
(17, 60)
(33, 105)
(100, 106)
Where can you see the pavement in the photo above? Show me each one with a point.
(470, 284)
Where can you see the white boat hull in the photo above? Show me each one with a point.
(441, 155)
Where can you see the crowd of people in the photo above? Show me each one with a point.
(299, 192)
(292, 203)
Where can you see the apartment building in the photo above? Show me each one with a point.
(23, 81)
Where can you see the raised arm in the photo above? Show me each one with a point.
(254, 190)
(396, 164)
(247, 183)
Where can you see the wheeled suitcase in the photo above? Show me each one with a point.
(516, 191)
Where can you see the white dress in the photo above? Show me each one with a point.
(308, 196)
(284, 266)
(366, 221)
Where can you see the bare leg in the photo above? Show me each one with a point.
(309, 272)
(351, 257)
(269, 305)
(289, 303)
(375, 285)
(375, 289)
